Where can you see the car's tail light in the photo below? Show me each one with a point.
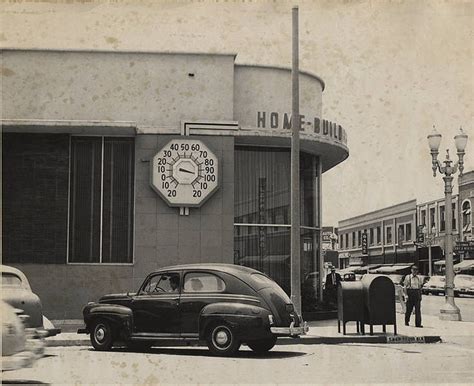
(270, 320)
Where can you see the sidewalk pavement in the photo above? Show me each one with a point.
(325, 332)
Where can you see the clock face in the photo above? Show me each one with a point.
(185, 172)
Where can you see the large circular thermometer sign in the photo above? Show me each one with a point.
(185, 172)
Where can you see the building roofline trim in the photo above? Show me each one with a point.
(437, 201)
(284, 68)
(352, 220)
(121, 51)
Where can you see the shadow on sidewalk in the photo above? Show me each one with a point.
(204, 352)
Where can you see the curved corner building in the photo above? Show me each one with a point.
(83, 213)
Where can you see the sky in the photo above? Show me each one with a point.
(392, 69)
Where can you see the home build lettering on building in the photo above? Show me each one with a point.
(282, 121)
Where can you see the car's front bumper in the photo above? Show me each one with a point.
(35, 342)
(18, 360)
(463, 291)
(34, 349)
(291, 330)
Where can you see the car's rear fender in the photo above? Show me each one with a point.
(247, 321)
(119, 316)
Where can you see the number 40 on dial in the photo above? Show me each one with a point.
(185, 172)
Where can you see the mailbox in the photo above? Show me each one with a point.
(350, 304)
(379, 299)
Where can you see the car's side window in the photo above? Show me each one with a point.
(162, 284)
(202, 282)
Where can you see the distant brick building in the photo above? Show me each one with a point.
(392, 231)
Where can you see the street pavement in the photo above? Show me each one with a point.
(347, 363)
(316, 364)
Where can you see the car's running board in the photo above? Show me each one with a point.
(160, 338)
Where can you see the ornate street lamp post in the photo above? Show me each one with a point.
(449, 311)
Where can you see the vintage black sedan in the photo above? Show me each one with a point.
(223, 305)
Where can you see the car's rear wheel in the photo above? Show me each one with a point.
(261, 346)
(222, 340)
(102, 335)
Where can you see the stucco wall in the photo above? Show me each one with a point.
(162, 236)
(151, 89)
(267, 89)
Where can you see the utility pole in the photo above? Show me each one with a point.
(295, 170)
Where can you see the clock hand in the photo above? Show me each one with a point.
(184, 170)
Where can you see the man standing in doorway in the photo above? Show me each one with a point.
(413, 284)
(332, 282)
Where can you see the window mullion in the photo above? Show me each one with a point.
(101, 199)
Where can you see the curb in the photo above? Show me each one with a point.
(380, 339)
(308, 340)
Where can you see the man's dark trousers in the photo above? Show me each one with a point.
(414, 300)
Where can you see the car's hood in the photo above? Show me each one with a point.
(113, 298)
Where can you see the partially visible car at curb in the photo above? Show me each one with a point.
(434, 286)
(16, 291)
(20, 348)
(463, 284)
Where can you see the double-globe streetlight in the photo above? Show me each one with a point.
(449, 311)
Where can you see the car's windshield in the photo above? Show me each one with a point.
(10, 280)
(163, 283)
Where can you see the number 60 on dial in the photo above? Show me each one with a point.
(185, 172)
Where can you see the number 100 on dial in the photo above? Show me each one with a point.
(185, 172)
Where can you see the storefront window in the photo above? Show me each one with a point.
(466, 216)
(101, 200)
(262, 212)
(389, 237)
(442, 218)
(408, 232)
(35, 198)
(454, 215)
(423, 217)
(432, 218)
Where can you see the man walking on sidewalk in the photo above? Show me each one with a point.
(413, 284)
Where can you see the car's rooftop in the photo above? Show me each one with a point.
(229, 268)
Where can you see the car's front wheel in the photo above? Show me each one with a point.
(222, 341)
(102, 336)
(262, 346)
